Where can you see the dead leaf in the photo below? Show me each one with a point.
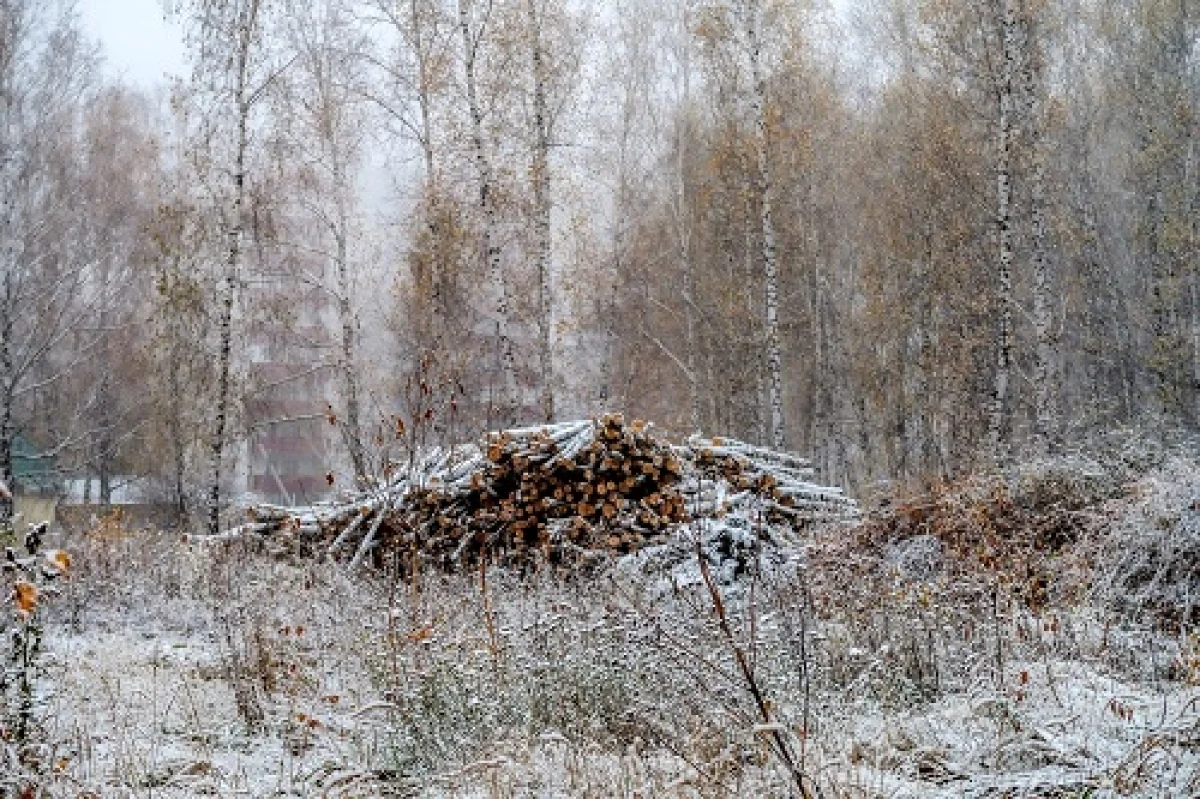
(59, 560)
(25, 597)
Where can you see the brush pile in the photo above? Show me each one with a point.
(564, 494)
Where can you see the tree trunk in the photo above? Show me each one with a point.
(7, 378)
(1192, 178)
(683, 221)
(352, 426)
(487, 205)
(1045, 381)
(8, 254)
(6, 441)
(607, 303)
(233, 256)
(769, 252)
(683, 246)
(998, 423)
(756, 410)
(539, 175)
(433, 209)
(1162, 290)
(105, 446)
(175, 420)
(424, 95)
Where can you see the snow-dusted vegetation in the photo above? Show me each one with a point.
(983, 638)
(291, 502)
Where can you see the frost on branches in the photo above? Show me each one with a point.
(29, 577)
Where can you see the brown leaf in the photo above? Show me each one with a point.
(25, 597)
(59, 560)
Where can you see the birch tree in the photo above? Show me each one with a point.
(233, 70)
(412, 72)
(752, 14)
(473, 27)
(1032, 90)
(45, 291)
(1161, 91)
(681, 58)
(1006, 22)
(181, 241)
(539, 179)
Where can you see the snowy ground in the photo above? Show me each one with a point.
(176, 670)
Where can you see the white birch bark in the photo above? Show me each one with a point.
(683, 214)
(1001, 401)
(421, 48)
(1192, 178)
(487, 205)
(423, 30)
(683, 247)
(539, 176)
(608, 304)
(242, 103)
(8, 263)
(770, 253)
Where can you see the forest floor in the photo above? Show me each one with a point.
(921, 653)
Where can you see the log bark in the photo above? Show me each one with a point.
(572, 494)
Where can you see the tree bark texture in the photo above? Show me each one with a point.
(540, 180)
(231, 280)
(1045, 380)
(999, 431)
(770, 254)
(487, 205)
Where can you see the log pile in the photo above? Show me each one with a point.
(562, 494)
(742, 477)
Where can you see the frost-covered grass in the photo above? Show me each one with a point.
(179, 669)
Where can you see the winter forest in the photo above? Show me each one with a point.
(903, 238)
(923, 244)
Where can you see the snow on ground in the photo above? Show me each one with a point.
(152, 712)
(178, 670)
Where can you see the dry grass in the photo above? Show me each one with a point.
(182, 669)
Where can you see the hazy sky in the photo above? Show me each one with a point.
(139, 44)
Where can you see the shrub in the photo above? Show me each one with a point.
(29, 579)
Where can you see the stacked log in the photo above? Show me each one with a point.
(563, 494)
(776, 484)
(554, 493)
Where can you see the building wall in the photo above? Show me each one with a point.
(289, 450)
(34, 509)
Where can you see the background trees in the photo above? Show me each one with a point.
(52, 281)
(903, 237)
